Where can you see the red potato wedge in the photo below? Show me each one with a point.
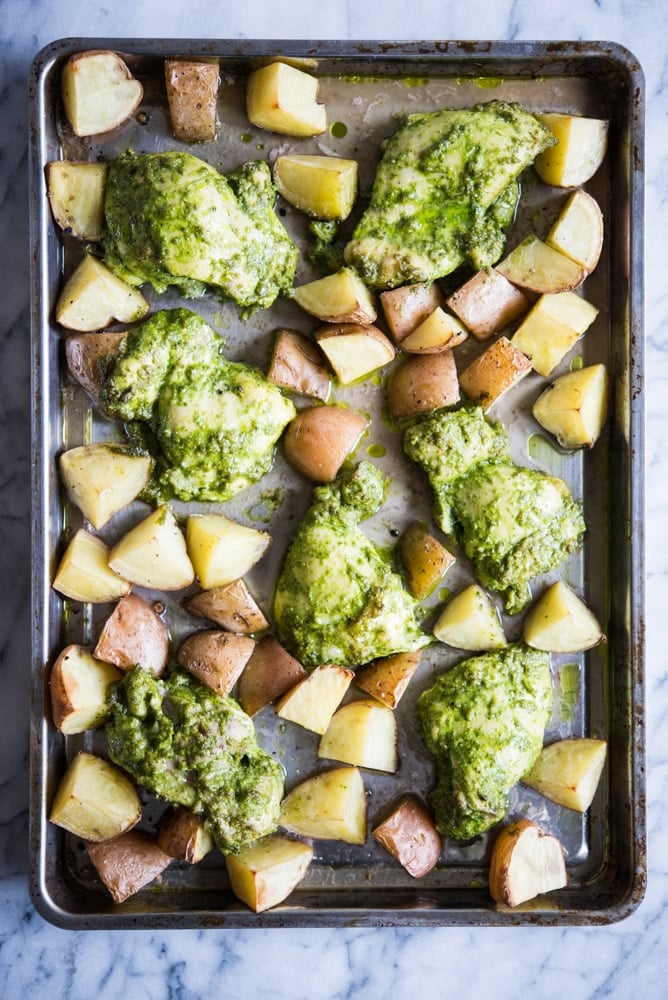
(425, 561)
(423, 382)
(568, 771)
(487, 303)
(222, 550)
(491, 375)
(341, 297)
(95, 800)
(313, 700)
(75, 190)
(263, 874)
(192, 95)
(99, 91)
(232, 607)
(440, 331)
(268, 674)
(93, 297)
(79, 684)
(184, 836)
(324, 187)
(354, 350)
(216, 658)
(578, 230)
(103, 478)
(128, 863)
(320, 438)
(409, 835)
(299, 364)
(538, 267)
(388, 677)
(363, 733)
(405, 308)
(84, 573)
(132, 635)
(331, 805)
(525, 862)
(579, 152)
(90, 358)
(153, 553)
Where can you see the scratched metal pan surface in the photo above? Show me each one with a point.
(367, 88)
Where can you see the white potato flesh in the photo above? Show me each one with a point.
(76, 195)
(283, 99)
(525, 862)
(579, 152)
(153, 554)
(99, 92)
(537, 267)
(84, 573)
(93, 297)
(329, 806)
(322, 186)
(568, 771)
(222, 550)
(440, 331)
(95, 800)
(470, 621)
(263, 874)
(494, 372)
(575, 407)
(554, 324)
(578, 230)
(79, 684)
(559, 622)
(341, 297)
(355, 351)
(363, 733)
(312, 702)
(406, 307)
(103, 478)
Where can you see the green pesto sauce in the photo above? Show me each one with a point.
(191, 747)
(513, 523)
(376, 450)
(484, 721)
(444, 193)
(173, 219)
(338, 130)
(337, 598)
(210, 423)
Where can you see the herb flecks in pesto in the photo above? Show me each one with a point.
(337, 598)
(173, 219)
(193, 748)
(513, 523)
(484, 721)
(444, 193)
(211, 424)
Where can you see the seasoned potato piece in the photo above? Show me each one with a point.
(525, 862)
(578, 230)
(329, 806)
(494, 372)
(84, 573)
(388, 677)
(283, 99)
(76, 195)
(574, 408)
(93, 297)
(470, 621)
(95, 800)
(540, 268)
(424, 560)
(568, 772)
(216, 658)
(363, 733)
(322, 186)
(263, 874)
(79, 684)
(440, 331)
(192, 94)
(90, 357)
(579, 152)
(299, 364)
(409, 835)
(341, 297)
(553, 325)
(127, 863)
(269, 673)
(423, 382)
(134, 634)
(184, 835)
(487, 303)
(354, 351)
(222, 550)
(320, 438)
(99, 92)
(103, 478)
(153, 554)
(406, 307)
(312, 702)
(232, 607)
(559, 622)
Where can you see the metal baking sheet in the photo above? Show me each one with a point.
(367, 87)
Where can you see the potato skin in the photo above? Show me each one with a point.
(183, 835)
(216, 657)
(421, 383)
(127, 863)
(192, 93)
(269, 673)
(230, 606)
(320, 438)
(410, 836)
(134, 634)
(90, 357)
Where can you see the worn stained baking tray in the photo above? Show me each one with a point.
(367, 86)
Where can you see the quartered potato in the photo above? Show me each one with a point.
(578, 230)
(440, 331)
(329, 806)
(299, 364)
(406, 307)
(185, 836)
(353, 350)
(95, 800)
(231, 606)
(568, 771)
(422, 382)
(554, 324)
(559, 622)
(283, 99)
(574, 408)
(84, 573)
(388, 677)
(134, 634)
(153, 554)
(496, 371)
(363, 733)
(409, 835)
(192, 95)
(93, 297)
(525, 862)
(90, 357)
(470, 621)
(341, 297)
(127, 863)
(79, 684)
(99, 91)
(263, 874)
(579, 152)
(76, 195)
(322, 186)
(312, 702)
(320, 438)
(222, 550)
(538, 267)
(424, 560)
(216, 658)
(103, 478)
(268, 674)
(487, 303)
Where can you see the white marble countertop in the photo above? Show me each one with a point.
(37, 959)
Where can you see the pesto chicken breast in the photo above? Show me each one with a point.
(337, 598)
(484, 721)
(444, 193)
(513, 523)
(211, 424)
(173, 219)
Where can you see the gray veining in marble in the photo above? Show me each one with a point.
(36, 959)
